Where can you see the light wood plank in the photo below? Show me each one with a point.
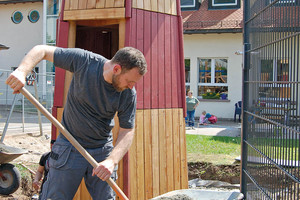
(154, 7)
(140, 154)
(168, 7)
(162, 151)
(93, 14)
(100, 3)
(161, 6)
(176, 147)
(132, 166)
(184, 167)
(173, 7)
(109, 3)
(169, 145)
(140, 4)
(67, 5)
(91, 4)
(147, 4)
(148, 154)
(119, 3)
(134, 3)
(73, 4)
(122, 33)
(59, 113)
(155, 152)
(82, 4)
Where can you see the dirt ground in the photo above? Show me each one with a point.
(37, 145)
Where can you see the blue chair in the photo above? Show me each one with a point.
(238, 110)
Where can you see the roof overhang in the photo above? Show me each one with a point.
(19, 1)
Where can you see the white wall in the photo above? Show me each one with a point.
(214, 46)
(19, 37)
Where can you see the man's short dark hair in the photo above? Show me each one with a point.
(128, 58)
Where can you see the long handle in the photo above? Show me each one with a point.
(72, 140)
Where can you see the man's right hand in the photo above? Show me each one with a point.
(36, 185)
(16, 80)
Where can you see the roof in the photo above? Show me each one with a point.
(3, 47)
(205, 20)
(18, 1)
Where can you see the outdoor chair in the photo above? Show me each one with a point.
(238, 110)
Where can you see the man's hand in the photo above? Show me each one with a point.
(16, 80)
(104, 169)
(36, 185)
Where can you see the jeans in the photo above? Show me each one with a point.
(190, 119)
(68, 167)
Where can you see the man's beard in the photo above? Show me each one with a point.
(116, 83)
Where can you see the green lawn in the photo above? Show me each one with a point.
(213, 149)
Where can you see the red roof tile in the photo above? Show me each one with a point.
(212, 19)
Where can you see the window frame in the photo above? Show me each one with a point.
(212, 82)
(224, 4)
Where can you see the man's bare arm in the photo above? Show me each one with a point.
(16, 79)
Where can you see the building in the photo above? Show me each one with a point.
(27, 23)
(213, 44)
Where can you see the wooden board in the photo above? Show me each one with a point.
(157, 35)
(162, 166)
(162, 6)
(95, 14)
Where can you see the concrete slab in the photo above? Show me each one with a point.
(221, 128)
(202, 194)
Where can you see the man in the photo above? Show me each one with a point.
(98, 90)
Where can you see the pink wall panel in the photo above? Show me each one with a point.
(154, 62)
(158, 36)
(161, 61)
(147, 53)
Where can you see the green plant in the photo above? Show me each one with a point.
(211, 95)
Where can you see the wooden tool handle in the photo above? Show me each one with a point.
(71, 139)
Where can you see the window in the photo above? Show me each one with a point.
(274, 74)
(212, 75)
(224, 2)
(189, 4)
(33, 16)
(187, 64)
(17, 17)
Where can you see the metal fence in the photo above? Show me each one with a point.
(17, 114)
(271, 93)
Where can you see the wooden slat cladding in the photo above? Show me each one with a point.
(91, 4)
(162, 6)
(157, 35)
(158, 156)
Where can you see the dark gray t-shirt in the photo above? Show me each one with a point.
(92, 102)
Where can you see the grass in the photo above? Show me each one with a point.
(214, 149)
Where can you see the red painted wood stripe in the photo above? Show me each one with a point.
(175, 83)
(128, 7)
(161, 61)
(168, 67)
(147, 53)
(154, 61)
(140, 46)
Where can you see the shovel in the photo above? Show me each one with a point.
(71, 139)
